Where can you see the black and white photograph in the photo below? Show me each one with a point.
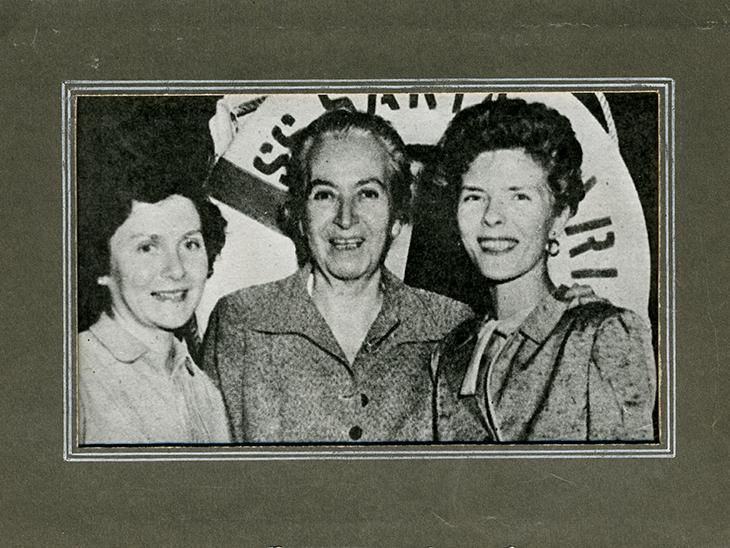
(382, 268)
(341, 273)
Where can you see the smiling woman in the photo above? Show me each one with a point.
(339, 351)
(158, 267)
(348, 220)
(534, 369)
(148, 237)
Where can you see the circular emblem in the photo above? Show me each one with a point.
(605, 245)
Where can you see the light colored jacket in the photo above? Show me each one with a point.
(128, 396)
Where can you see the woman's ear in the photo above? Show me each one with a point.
(395, 229)
(559, 222)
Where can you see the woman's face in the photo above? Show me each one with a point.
(348, 217)
(158, 264)
(506, 215)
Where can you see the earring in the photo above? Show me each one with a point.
(552, 247)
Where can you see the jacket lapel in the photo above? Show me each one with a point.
(298, 315)
(469, 410)
(528, 377)
(404, 317)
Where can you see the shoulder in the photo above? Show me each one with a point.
(98, 369)
(462, 333)
(253, 298)
(614, 334)
(443, 311)
(605, 319)
(92, 353)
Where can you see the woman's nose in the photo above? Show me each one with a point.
(346, 214)
(174, 267)
(493, 214)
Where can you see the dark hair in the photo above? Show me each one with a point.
(340, 123)
(108, 185)
(542, 132)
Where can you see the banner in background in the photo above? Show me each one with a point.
(605, 244)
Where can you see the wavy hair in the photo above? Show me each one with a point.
(542, 132)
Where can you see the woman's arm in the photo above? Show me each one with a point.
(621, 380)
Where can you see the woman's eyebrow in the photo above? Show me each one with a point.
(373, 180)
(144, 235)
(527, 186)
(472, 188)
(321, 182)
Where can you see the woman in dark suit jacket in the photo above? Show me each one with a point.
(533, 370)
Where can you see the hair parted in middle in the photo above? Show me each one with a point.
(340, 123)
(503, 124)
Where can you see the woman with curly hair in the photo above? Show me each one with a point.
(534, 369)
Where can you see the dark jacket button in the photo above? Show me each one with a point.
(355, 433)
(364, 399)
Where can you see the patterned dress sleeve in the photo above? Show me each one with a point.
(621, 380)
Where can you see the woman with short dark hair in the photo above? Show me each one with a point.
(147, 240)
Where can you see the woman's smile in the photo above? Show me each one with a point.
(506, 214)
(171, 295)
(497, 245)
(348, 219)
(346, 244)
(158, 264)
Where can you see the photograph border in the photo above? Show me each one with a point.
(665, 272)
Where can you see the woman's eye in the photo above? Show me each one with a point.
(145, 248)
(521, 196)
(470, 197)
(370, 193)
(319, 195)
(193, 245)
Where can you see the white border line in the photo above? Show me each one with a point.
(66, 181)
(70, 88)
(350, 88)
(671, 222)
(377, 82)
(65, 226)
(666, 297)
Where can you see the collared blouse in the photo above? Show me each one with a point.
(285, 379)
(580, 374)
(127, 394)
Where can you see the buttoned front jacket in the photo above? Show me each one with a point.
(285, 379)
(584, 374)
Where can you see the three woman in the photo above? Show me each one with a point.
(148, 237)
(534, 370)
(342, 351)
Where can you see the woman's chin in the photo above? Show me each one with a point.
(498, 275)
(171, 321)
(349, 270)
